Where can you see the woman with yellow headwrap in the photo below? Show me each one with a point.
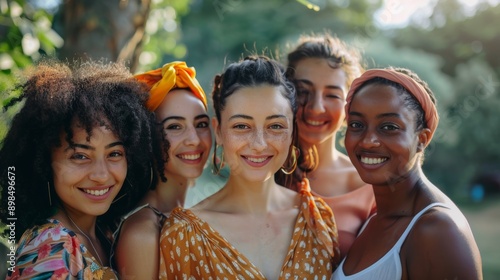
(180, 108)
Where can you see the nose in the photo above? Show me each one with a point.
(258, 140)
(192, 138)
(370, 140)
(315, 103)
(100, 172)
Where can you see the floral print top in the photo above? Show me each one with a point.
(51, 251)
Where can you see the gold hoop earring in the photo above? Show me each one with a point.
(48, 190)
(295, 150)
(120, 197)
(151, 176)
(216, 169)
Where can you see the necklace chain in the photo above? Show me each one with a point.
(86, 236)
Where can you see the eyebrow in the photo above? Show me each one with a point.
(202, 116)
(237, 116)
(88, 147)
(309, 83)
(384, 115)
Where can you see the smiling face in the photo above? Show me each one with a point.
(381, 139)
(256, 132)
(186, 126)
(89, 174)
(321, 92)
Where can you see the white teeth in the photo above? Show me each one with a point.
(315, 123)
(257, 160)
(96, 193)
(367, 160)
(190, 157)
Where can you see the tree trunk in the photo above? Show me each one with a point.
(103, 29)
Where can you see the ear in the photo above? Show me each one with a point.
(216, 127)
(424, 137)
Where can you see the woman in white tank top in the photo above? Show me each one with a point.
(418, 232)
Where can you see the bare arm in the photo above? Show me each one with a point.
(442, 247)
(137, 252)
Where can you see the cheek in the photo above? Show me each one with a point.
(283, 139)
(349, 142)
(119, 170)
(206, 138)
(300, 112)
(66, 175)
(337, 109)
(173, 142)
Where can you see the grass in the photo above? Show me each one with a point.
(484, 220)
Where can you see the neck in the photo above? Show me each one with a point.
(169, 195)
(251, 197)
(400, 197)
(327, 150)
(77, 222)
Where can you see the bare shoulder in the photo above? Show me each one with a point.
(442, 245)
(137, 250)
(440, 221)
(140, 227)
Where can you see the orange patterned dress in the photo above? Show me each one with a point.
(191, 249)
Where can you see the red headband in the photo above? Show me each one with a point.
(414, 88)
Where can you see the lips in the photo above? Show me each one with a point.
(257, 159)
(93, 192)
(189, 156)
(373, 160)
(314, 122)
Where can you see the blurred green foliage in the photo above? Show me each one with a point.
(455, 52)
(26, 34)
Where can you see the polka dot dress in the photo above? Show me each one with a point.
(191, 249)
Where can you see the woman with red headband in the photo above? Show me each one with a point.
(180, 107)
(418, 232)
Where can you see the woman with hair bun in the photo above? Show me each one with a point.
(252, 228)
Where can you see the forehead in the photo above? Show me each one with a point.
(261, 100)
(319, 69)
(98, 134)
(180, 102)
(380, 99)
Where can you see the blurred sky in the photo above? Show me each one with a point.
(398, 13)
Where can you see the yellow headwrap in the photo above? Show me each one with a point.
(171, 76)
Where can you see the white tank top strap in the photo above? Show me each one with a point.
(414, 220)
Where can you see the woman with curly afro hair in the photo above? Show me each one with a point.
(76, 157)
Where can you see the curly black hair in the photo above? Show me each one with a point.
(55, 95)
